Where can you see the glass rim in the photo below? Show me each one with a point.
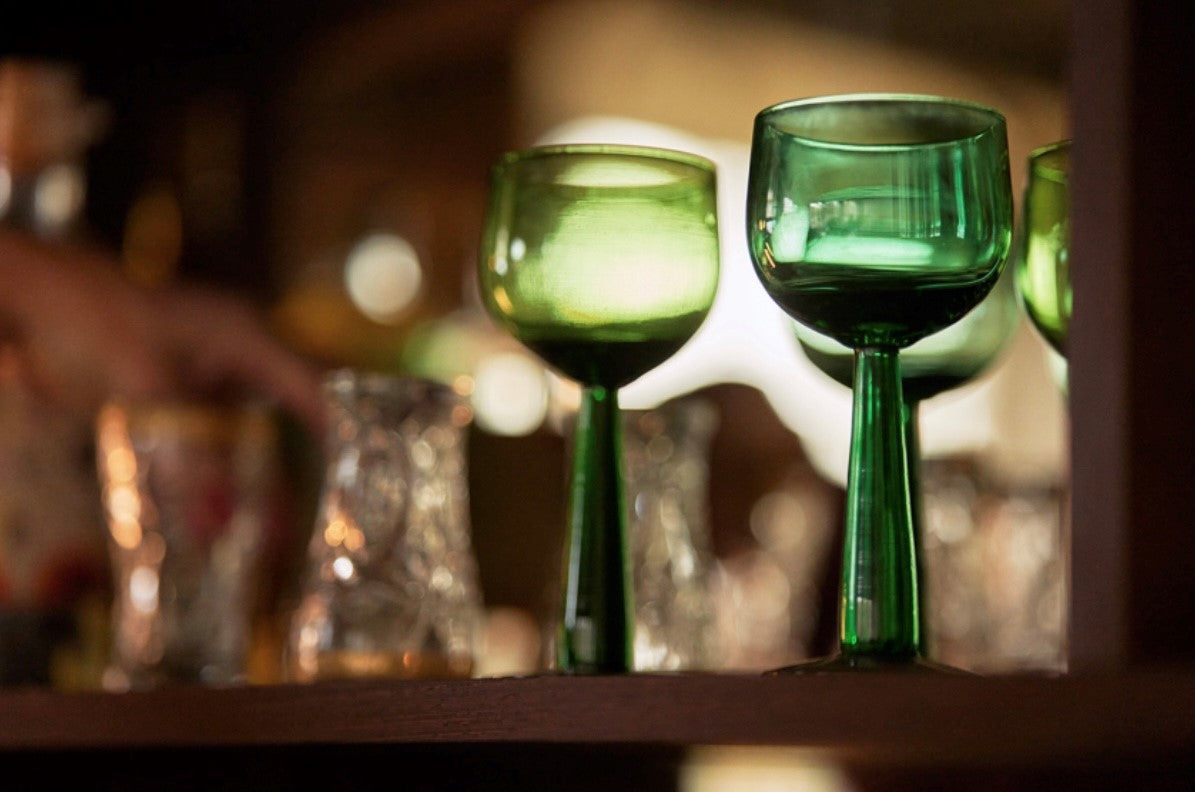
(190, 418)
(373, 381)
(185, 407)
(1051, 161)
(615, 150)
(996, 119)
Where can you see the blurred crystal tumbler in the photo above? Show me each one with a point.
(666, 462)
(187, 491)
(390, 587)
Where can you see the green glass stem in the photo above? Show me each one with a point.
(596, 632)
(879, 616)
(911, 417)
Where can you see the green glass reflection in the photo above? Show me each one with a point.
(1043, 267)
(604, 261)
(878, 220)
(940, 362)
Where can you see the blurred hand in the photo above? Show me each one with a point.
(79, 333)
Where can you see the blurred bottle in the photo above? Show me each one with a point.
(54, 579)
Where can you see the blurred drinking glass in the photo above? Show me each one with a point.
(666, 459)
(390, 587)
(187, 490)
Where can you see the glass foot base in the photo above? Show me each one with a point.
(862, 663)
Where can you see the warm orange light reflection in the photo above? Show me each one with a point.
(335, 532)
(354, 539)
(124, 504)
(463, 384)
(503, 299)
(122, 464)
(118, 469)
(126, 533)
(461, 415)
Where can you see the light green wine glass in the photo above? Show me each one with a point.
(946, 360)
(1043, 267)
(603, 260)
(878, 220)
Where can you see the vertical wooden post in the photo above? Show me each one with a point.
(1132, 349)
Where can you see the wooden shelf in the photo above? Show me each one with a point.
(909, 719)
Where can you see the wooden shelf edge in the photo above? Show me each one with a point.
(902, 718)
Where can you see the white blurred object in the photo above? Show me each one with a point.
(761, 769)
(511, 644)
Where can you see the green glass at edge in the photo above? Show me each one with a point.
(878, 220)
(1043, 267)
(603, 260)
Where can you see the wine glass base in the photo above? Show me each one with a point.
(863, 663)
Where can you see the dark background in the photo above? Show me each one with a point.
(147, 62)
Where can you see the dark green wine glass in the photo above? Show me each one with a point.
(946, 360)
(1043, 266)
(603, 260)
(878, 220)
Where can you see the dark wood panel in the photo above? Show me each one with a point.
(1132, 381)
